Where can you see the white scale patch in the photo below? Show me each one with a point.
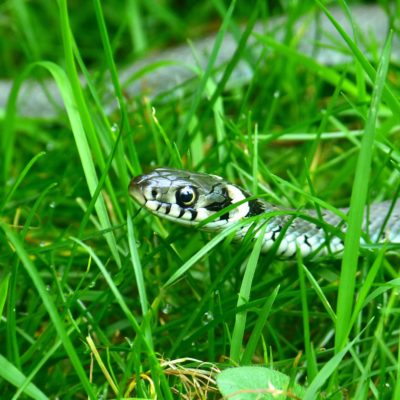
(152, 205)
(202, 214)
(267, 244)
(215, 225)
(175, 210)
(236, 195)
(290, 249)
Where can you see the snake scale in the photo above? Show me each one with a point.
(189, 198)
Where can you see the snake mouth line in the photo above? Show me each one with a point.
(135, 190)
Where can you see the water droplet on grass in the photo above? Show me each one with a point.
(167, 308)
(114, 127)
(207, 318)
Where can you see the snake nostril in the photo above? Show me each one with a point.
(132, 185)
(136, 181)
(154, 193)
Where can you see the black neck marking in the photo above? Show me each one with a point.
(219, 205)
(256, 207)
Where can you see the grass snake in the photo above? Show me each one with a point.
(190, 198)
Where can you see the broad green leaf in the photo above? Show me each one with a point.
(250, 383)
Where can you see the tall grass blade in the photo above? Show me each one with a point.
(357, 207)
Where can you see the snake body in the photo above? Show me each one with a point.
(160, 74)
(190, 198)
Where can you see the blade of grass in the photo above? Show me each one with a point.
(135, 23)
(357, 206)
(366, 286)
(207, 73)
(101, 364)
(327, 73)
(202, 252)
(76, 90)
(140, 282)
(43, 359)
(108, 136)
(387, 94)
(20, 178)
(327, 370)
(233, 263)
(229, 69)
(137, 267)
(320, 294)
(50, 307)
(312, 369)
(23, 16)
(84, 153)
(259, 326)
(244, 296)
(81, 123)
(13, 375)
(396, 391)
(3, 292)
(176, 159)
(155, 365)
(118, 91)
(378, 345)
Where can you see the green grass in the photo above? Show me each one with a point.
(102, 300)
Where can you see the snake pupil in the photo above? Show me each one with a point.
(185, 196)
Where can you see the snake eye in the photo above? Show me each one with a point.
(186, 196)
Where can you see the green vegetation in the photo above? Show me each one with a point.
(101, 300)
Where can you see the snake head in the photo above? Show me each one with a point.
(189, 197)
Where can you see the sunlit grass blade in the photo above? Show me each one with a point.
(201, 253)
(259, 326)
(84, 152)
(357, 206)
(320, 294)
(396, 391)
(366, 286)
(140, 282)
(4, 282)
(244, 296)
(312, 368)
